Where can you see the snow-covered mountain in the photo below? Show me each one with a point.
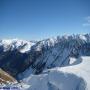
(13, 53)
(60, 63)
(56, 52)
(12, 44)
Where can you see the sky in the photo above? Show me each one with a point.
(40, 19)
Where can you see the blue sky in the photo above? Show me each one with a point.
(39, 19)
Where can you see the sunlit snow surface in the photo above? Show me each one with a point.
(73, 77)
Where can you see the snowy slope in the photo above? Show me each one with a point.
(74, 77)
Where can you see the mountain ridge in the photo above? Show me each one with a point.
(25, 54)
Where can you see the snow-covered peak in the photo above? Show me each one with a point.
(23, 45)
(50, 42)
(11, 44)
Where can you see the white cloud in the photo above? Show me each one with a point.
(87, 21)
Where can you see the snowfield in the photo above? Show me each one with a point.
(73, 77)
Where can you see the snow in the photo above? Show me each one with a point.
(83, 37)
(73, 77)
(62, 71)
(81, 70)
(66, 71)
(27, 47)
(16, 43)
(21, 45)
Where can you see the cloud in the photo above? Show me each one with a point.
(87, 21)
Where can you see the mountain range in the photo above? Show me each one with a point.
(57, 63)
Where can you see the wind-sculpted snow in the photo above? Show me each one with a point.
(75, 77)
